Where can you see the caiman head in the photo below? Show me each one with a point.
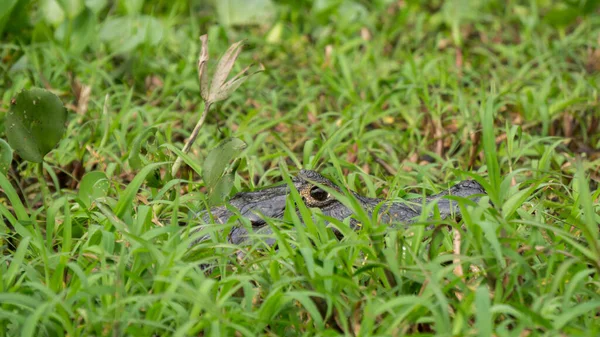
(271, 202)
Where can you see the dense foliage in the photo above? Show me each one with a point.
(388, 98)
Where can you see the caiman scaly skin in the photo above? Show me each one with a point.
(271, 202)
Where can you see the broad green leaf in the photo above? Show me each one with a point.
(43, 32)
(35, 123)
(5, 12)
(6, 155)
(81, 31)
(124, 34)
(221, 190)
(562, 15)
(7, 7)
(93, 185)
(589, 6)
(217, 160)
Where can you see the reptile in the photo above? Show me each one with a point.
(313, 188)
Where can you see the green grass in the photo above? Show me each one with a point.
(387, 98)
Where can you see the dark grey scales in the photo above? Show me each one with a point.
(270, 202)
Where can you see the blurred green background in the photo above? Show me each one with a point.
(395, 74)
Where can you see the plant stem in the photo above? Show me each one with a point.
(192, 139)
(44, 187)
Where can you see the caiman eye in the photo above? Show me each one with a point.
(318, 194)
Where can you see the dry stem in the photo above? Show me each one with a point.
(192, 139)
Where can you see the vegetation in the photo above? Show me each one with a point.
(389, 98)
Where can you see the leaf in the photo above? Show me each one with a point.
(516, 200)
(202, 72)
(221, 190)
(82, 31)
(6, 155)
(562, 15)
(489, 229)
(227, 89)
(7, 7)
(275, 34)
(224, 68)
(5, 12)
(185, 157)
(589, 6)
(16, 262)
(436, 245)
(304, 298)
(484, 321)
(35, 123)
(489, 148)
(219, 90)
(217, 160)
(231, 85)
(13, 197)
(124, 34)
(93, 185)
(569, 314)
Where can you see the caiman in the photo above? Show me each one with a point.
(271, 203)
